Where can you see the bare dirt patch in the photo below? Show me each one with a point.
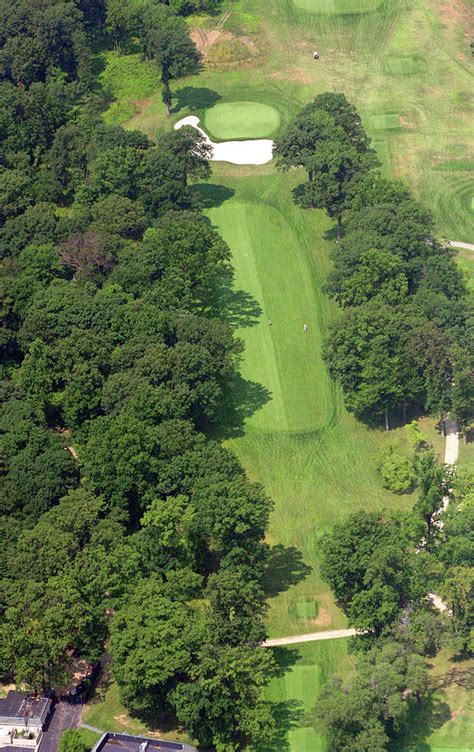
(204, 39)
(453, 13)
(140, 105)
(323, 618)
(293, 73)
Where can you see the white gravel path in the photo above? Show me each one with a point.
(460, 244)
(255, 152)
(331, 634)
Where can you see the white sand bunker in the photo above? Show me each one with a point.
(256, 152)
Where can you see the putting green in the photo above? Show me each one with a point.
(271, 266)
(339, 7)
(241, 120)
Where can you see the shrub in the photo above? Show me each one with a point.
(396, 471)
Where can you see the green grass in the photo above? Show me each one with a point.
(234, 120)
(295, 692)
(446, 723)
(315, 461)
(338, 7)
(105, 711)
(281, 357)
(88, 737)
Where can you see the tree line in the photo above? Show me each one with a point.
(122, 522)
(404, 339)
(402, 342)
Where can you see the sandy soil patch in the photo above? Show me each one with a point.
(293, 73)
(324, 618)
(452, 13)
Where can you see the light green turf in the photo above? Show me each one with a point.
(237, 120)
(271, 265)
(309, 668)
(338, 7)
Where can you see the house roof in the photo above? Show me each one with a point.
(16, 707)
(110, 742)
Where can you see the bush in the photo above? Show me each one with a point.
(71, 741)
(396, 471)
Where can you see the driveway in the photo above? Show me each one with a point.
(65, 715)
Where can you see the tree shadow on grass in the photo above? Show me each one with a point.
(285, 567)
(287, 715)
(241, 399)
(195, 98)
(426, 717)
(237, 308)
(211, 195)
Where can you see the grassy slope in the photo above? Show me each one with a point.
(105, 711)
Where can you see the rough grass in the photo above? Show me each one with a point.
(338, 7)
(237, 120)
(446, 722)
(88, 737)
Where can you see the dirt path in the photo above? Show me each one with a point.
(331, 634)
(460, 244)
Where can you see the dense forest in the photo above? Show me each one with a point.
(404, 342)
(122, 521)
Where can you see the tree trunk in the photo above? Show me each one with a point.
(387, 427)
(404, 411)
(338, 229)
(167, 96)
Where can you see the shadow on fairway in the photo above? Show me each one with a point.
(241, 399)
(195, 98)
(287, 714)
(210, 195)
(285, 567)
(237, 308)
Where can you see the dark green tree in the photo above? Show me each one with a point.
(166, 41)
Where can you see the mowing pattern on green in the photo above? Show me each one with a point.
(271, 265)
(338, 7)
(238, 120)
(297, 690)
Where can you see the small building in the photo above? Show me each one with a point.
(110, 742)
(22, 720)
